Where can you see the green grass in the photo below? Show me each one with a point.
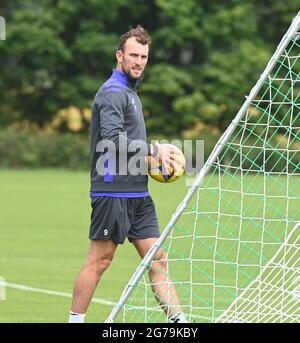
(44, 223)
(220, 243)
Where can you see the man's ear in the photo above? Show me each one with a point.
(119, 56)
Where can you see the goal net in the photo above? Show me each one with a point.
(233, 244)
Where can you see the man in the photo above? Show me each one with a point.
(121, 204)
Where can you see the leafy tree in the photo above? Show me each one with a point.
(205, 56)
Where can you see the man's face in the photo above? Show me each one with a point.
(134, 58)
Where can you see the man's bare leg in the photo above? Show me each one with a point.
(162, 285)
(98, 260)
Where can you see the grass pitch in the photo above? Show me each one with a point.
(44, 224)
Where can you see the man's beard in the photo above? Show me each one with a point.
(128, 72)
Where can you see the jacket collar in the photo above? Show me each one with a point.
(125, 79)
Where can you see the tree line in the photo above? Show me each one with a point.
(204, 58)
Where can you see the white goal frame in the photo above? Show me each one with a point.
(141, 269)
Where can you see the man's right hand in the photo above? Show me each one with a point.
(168, 156)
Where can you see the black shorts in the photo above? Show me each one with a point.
(114, 219)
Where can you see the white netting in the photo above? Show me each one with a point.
(234, 253)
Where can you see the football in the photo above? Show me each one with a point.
(158, 173)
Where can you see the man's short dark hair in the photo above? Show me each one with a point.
(141, 35)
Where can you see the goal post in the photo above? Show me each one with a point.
(229, 242)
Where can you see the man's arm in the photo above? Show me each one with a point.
(112, 116)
